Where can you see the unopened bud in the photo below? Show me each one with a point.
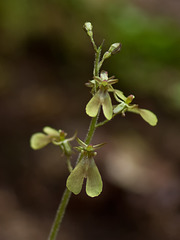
(115, 48)
(130, 99)
(106, 55)
(88, 28)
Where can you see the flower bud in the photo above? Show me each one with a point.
(115, 48)
(88, 28)
(106, 55)
(130, 99)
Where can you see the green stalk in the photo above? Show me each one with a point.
(59, 215)
(105, 121)
(96, 62)
(92, 128)
(93, 43)
(70, 168)
(102, 123)
(67, 194)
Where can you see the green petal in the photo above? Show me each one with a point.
(148, 116)
(120, 94)
(107, 106)
(94, 183)
(51, 131)
(93, 105)
(39, 140)
(75, 180)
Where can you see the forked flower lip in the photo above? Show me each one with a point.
(86, 168)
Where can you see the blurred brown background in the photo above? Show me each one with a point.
(45, 59)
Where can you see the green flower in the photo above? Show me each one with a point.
(114, 48)
(51, 135)
(86, 168)
(101, 97)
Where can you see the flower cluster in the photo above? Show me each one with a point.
(101, 86)
(126, 106)
(86, 168)
(102, 90)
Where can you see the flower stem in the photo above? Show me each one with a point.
(93, 43)
(70, 168)
(92, 128)
(59, 215)
(67, 194)
(102, 123)
(105, 121)
(96, 62)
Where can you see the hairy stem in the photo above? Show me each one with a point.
(92, 128)
(96, 62)
(59, 215)
(93, 43)
(67, 194)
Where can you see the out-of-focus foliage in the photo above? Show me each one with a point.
(45, 59)
(150, 56)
